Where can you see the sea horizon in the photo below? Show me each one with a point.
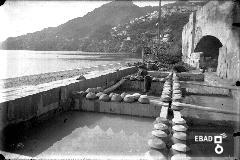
(17, 63)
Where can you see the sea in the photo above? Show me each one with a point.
(17, 63)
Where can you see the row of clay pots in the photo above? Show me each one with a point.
(160, 135)
(166, 92)
(176, 93)
(128, 98)
(179, 148)
(159, 141)
(167, 89)
(164, 137)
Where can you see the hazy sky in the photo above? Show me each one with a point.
(21, 17)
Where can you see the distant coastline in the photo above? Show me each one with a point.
(18, 63)
(79, 52)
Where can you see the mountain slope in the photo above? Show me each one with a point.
(71, 32)
(141, 31)
(94, 31)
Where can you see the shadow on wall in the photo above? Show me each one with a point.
(209, 45)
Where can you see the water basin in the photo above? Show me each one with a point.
(85, 133)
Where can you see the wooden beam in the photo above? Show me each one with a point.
(115, 86)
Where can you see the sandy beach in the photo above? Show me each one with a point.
(54, 76)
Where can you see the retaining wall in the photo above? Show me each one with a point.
(133, 109)
(156, 87)
(184, 76)
(195, 88)
(187, 87)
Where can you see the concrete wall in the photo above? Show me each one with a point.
(45, 99)
(185, 76)
(194, 88)
(216, 19)
(133, 109)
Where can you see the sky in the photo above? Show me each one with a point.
(21, 17)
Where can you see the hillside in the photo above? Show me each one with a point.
(70, 33)
(96, 31)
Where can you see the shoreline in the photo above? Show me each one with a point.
(71, 52)
(36, 79)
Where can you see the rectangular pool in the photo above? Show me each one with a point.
(83, 133)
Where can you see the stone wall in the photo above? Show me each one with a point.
(195, 59)
(183, 76)
(133, 109)
(203, 89)
(217, 19)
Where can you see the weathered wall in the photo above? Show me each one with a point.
(133, 109)
(195, 59)
(183, 76)
(187, 38)
(219, 19)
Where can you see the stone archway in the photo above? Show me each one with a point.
(209, 46)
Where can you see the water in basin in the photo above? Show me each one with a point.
(86, 133)
(217, 102)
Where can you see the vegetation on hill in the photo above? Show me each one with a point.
(118, 26)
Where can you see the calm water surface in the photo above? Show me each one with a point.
(15, 63)
(83, 133)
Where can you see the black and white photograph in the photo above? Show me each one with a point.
(120, 79)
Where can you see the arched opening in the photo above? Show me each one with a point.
(209, 45)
